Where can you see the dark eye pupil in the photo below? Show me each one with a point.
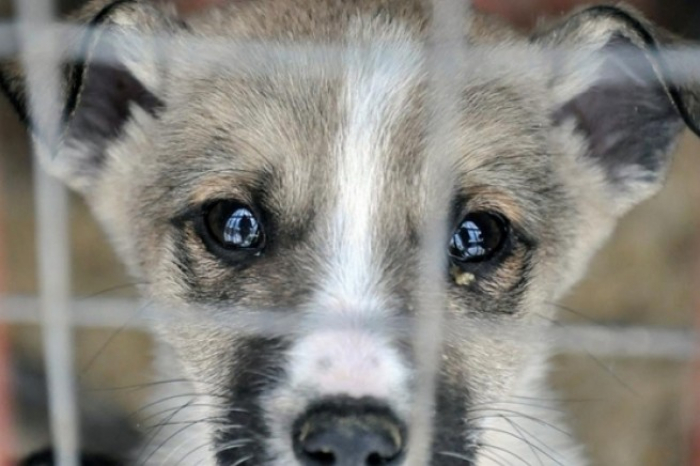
(478, 237)
(242, 229)
(234, 226)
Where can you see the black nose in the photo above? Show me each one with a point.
(349, 432)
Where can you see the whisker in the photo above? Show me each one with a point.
(527, 442)
(522, 435)
(155, 383)
(501, 449)
(166, 460)
(486, 405)
(170, 398)
(499, 412)
(208, 420)
(242, 460)
(137, 387)
(598, 362)
(167, 440)
(559, 400)
(468, 460)
(574, 312)
(525, 432)
(238, 443)
(154, 435)
(111, 338)
(178, 448)
(223, 408)
(191, 452)
(111, 289)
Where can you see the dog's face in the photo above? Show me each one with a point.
(278, 208)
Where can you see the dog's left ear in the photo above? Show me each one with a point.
(117, 75)
(614, 83)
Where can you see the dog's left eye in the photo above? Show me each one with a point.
(234, 226)
(478, 237)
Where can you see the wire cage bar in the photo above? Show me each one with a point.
(35, 18)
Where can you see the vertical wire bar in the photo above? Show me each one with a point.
(54, 278)
(7, 437)
(40, 59)
(450, 19)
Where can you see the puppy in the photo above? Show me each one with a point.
(274, 172)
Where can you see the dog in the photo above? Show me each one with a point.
(281, 205)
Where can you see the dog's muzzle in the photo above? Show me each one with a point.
(349, 432)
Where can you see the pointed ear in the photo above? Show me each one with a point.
(615, 87)
(117, 70)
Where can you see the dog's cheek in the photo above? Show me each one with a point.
(454, 432)
(256, 369)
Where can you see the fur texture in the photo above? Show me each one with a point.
(559, 133)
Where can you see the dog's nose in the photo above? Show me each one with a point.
(349, 433)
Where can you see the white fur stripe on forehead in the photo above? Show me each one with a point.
(378, 80)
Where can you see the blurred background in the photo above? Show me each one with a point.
(628, 410)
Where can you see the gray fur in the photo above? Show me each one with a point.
(529, 148)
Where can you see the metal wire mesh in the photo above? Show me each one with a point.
(36, 34)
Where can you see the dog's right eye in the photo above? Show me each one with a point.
(478, 238)
(234, 226)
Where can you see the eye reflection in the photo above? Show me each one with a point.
(469, 239)
(234, 226)
(242, 229)
(478, 237)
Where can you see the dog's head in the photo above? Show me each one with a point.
(277, 199)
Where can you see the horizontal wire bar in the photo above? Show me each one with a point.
(597, 339)
(315, 59)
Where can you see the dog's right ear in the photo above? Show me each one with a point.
(618, 84)
(117, 70)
